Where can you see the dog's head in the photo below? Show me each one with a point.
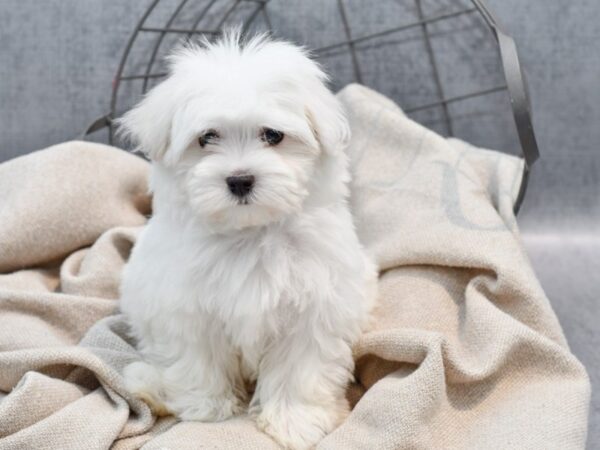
(241, 131)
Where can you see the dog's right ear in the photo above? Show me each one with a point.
(148, 124)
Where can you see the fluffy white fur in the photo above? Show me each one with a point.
(220, 293)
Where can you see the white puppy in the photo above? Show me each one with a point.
(250, 269)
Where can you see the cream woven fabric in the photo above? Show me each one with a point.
(466, 352)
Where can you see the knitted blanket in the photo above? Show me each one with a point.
(466, 352)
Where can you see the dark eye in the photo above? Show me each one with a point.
(271, 137)
(208, 138)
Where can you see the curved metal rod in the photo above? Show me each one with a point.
(159, 41)
(232, 8)
(522, 190)
(355, 64)
(253, 16)
(117, 80)
(519, 97)
(200, 17)
(434, 69)
(406, 26)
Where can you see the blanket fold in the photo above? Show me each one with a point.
(465, 352)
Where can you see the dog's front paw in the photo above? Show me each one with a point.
(300, 426)
(144, 382)
(207, 408)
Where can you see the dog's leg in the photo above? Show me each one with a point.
(194, 376)
(144, 381)
(204, 383)
(300, 394)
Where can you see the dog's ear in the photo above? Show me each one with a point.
(148, 124)
(327, 119)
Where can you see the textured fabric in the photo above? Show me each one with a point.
(465, 352)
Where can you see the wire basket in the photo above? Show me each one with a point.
(435, 58)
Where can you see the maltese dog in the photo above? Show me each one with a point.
(248, 286)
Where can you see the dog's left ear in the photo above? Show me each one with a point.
(327, 119)
(148, 124)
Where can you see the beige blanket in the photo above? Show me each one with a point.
(466, 354)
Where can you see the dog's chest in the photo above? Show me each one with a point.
(249, 285)
(245, 276)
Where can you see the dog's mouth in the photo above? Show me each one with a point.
(246, 200)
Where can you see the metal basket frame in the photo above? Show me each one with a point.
(515, 80)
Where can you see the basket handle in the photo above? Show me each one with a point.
(98, 124)
(517, 85)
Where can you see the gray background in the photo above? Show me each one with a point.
(58, 57)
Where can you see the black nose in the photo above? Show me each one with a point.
(240, 185)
